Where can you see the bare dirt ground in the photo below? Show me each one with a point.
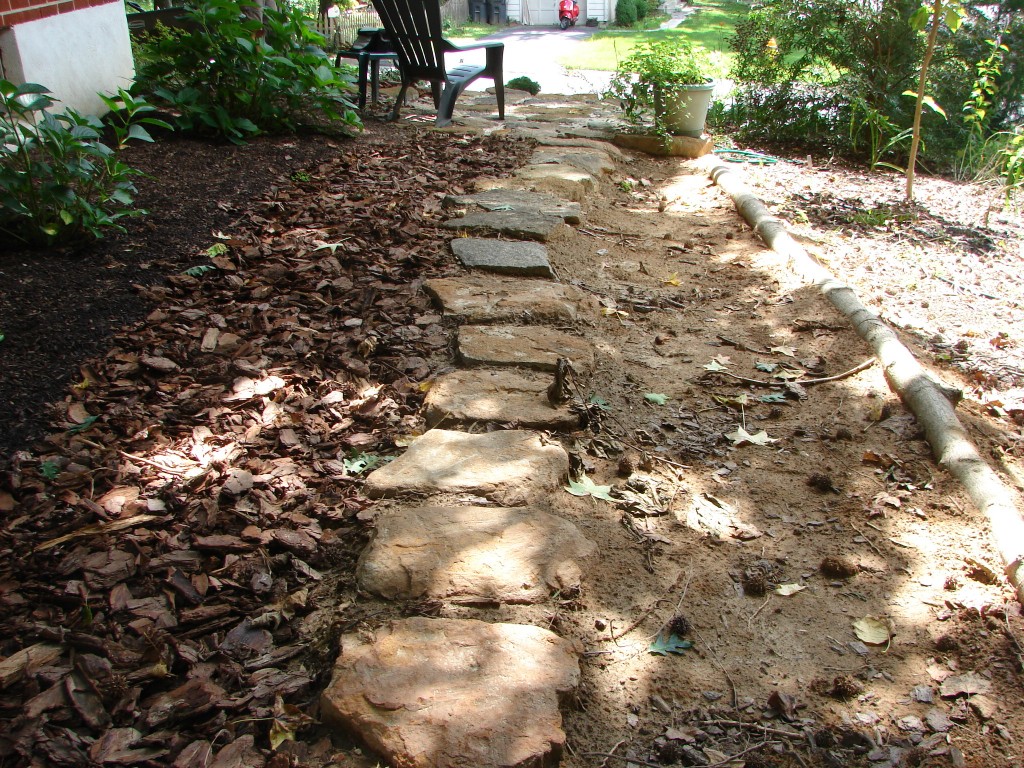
(816, 593)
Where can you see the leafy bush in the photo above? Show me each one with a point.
(652, 72)
(641, 9)
(58, 180)
(858, 58)
(625, 13)
(524, 84)
(234, 76)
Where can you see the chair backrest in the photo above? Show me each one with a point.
(414, 27)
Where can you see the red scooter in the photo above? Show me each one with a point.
(568, 12)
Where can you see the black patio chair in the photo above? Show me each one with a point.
(414, 27)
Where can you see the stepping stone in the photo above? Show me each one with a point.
(425, 693)
(533, 347)
(559, 178)
(509, 257)
(522, 225)
(496, 397)
(595, 162)
(511, 467)
(473, 555)
(601, 146)
(484, 299)
(501, 199)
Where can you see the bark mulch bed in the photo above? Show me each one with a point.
(211, 370)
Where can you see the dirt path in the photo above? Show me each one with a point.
(767, 557)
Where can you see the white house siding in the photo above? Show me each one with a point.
(75, 55)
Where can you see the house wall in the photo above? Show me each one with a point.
(76, 48)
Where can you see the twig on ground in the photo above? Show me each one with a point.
(871, 544)
(802, 382)
(740, 345)
(756, 727)
(634, 760)
(714, 658)
(612, 752)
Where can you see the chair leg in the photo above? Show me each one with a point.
(364, 64)
(446, 107)
(495, 61)
(399, 100)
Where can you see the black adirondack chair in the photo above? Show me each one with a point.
(414, 27)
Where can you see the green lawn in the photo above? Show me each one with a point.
(709, 28)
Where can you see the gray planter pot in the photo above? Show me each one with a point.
(684, 109)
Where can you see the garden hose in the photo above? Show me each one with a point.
(745, 156)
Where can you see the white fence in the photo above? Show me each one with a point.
(341, 30)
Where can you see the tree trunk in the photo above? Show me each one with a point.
(922, 83)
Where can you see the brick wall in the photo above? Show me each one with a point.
(17, 11)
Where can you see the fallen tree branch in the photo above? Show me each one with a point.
(929, 399)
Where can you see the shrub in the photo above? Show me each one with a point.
(58, 180)
(858, 57)
(641, 9)
(234, 76)
(625, 13)
(524, 84)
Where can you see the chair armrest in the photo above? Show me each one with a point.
(450, 47)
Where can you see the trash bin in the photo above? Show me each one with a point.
(497, 13)
(478, 10)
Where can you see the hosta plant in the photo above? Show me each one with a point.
(58, 179)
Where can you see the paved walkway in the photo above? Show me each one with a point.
(535, 52)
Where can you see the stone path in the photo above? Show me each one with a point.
(462, 692)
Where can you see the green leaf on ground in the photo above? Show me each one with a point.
(361, 462)
(766, 367)
(587, 487)
(217, 249)
(199, 270)
(600, 402)
(83, 426)
(663, 644)
(774, 397)
(656, 398)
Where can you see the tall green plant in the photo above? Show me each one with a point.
(58, 180)
(234, 76)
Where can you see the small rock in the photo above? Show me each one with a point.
(984, 707)
(938, 720)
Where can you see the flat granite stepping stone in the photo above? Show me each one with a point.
(596, 162)
(473, 555)
(533, 346)
(496, 397)
(559, 178)
(510, 257)
(487, 299)
(502, 199)
(525, 225)
(428, 693)
(512, 467)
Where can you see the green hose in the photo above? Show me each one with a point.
(745, 156)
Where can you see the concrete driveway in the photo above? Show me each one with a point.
(534, 52)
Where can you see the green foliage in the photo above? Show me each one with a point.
(524, 83)
(832, 72)
(1010, 162)
(625, 13)
(234, 76)
(58, 180)
(127, 118)
(642, 9)
(655, 70)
